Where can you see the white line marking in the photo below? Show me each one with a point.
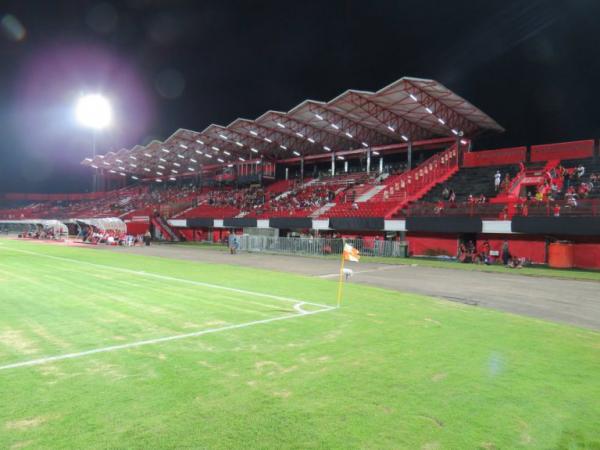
(164, 277)
(48, 359)
(298, 307)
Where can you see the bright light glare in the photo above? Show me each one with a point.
(93, 111)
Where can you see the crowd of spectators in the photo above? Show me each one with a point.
(568, 185)
(113, 237)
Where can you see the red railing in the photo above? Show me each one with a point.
(483, 210)
(505, 211)
(410, 185)
(582, 208)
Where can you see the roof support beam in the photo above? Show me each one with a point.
(291, 142)
(324, 137)
(259, 144)
(360, 133)
(452, 118)
(388, 118)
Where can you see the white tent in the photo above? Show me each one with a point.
(56, 226)
(105, 224)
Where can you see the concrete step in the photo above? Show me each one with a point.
(322, 210)
(370, 194)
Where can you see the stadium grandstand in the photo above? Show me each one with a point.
(242, 225)
(393, 165)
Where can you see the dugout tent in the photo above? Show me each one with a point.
(105, 224)
(56, 226)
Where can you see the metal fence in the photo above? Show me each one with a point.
(320, 246)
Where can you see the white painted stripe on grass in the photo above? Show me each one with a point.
(112, 348)
(167, 278)
(298, 307)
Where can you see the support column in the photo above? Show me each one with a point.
(302, 169)
(381, 164)
(95, 174)
(409, 156)
(333, 164)
(368, 160)
(460, 151)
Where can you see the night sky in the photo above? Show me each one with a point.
(532, 65)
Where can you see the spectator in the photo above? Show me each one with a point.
(556, 210)
(497, 180)
(485, 252)
(446, 193)
(506, 183)
(566, 181)
(505, 253)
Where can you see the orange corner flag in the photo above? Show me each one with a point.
(350, 253)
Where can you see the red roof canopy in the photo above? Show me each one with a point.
(409, 109)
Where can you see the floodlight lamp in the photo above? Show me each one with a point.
(93, 111)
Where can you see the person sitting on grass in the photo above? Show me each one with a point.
(516, 263)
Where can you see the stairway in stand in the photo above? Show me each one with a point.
(167, 232)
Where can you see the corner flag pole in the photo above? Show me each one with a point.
(341, 280)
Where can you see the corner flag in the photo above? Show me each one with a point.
(348, 254)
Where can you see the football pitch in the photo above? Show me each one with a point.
(109, 350)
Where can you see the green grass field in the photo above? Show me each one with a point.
(532, 271)
(159, 353)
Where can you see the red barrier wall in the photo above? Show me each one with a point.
(423, 244)
(194, 234)
(586, 252)
(586, 256)
(498, 157)
(135, 228)
(530, 247)
(563, 150)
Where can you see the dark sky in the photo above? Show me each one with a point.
(533, 65)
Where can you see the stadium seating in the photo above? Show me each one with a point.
(471, 181)
(353, 194)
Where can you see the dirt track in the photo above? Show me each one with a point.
(566, 301)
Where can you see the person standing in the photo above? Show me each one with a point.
(497, 180)
(231, 242)
(505, 253)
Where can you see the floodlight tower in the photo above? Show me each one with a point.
(93, 111)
